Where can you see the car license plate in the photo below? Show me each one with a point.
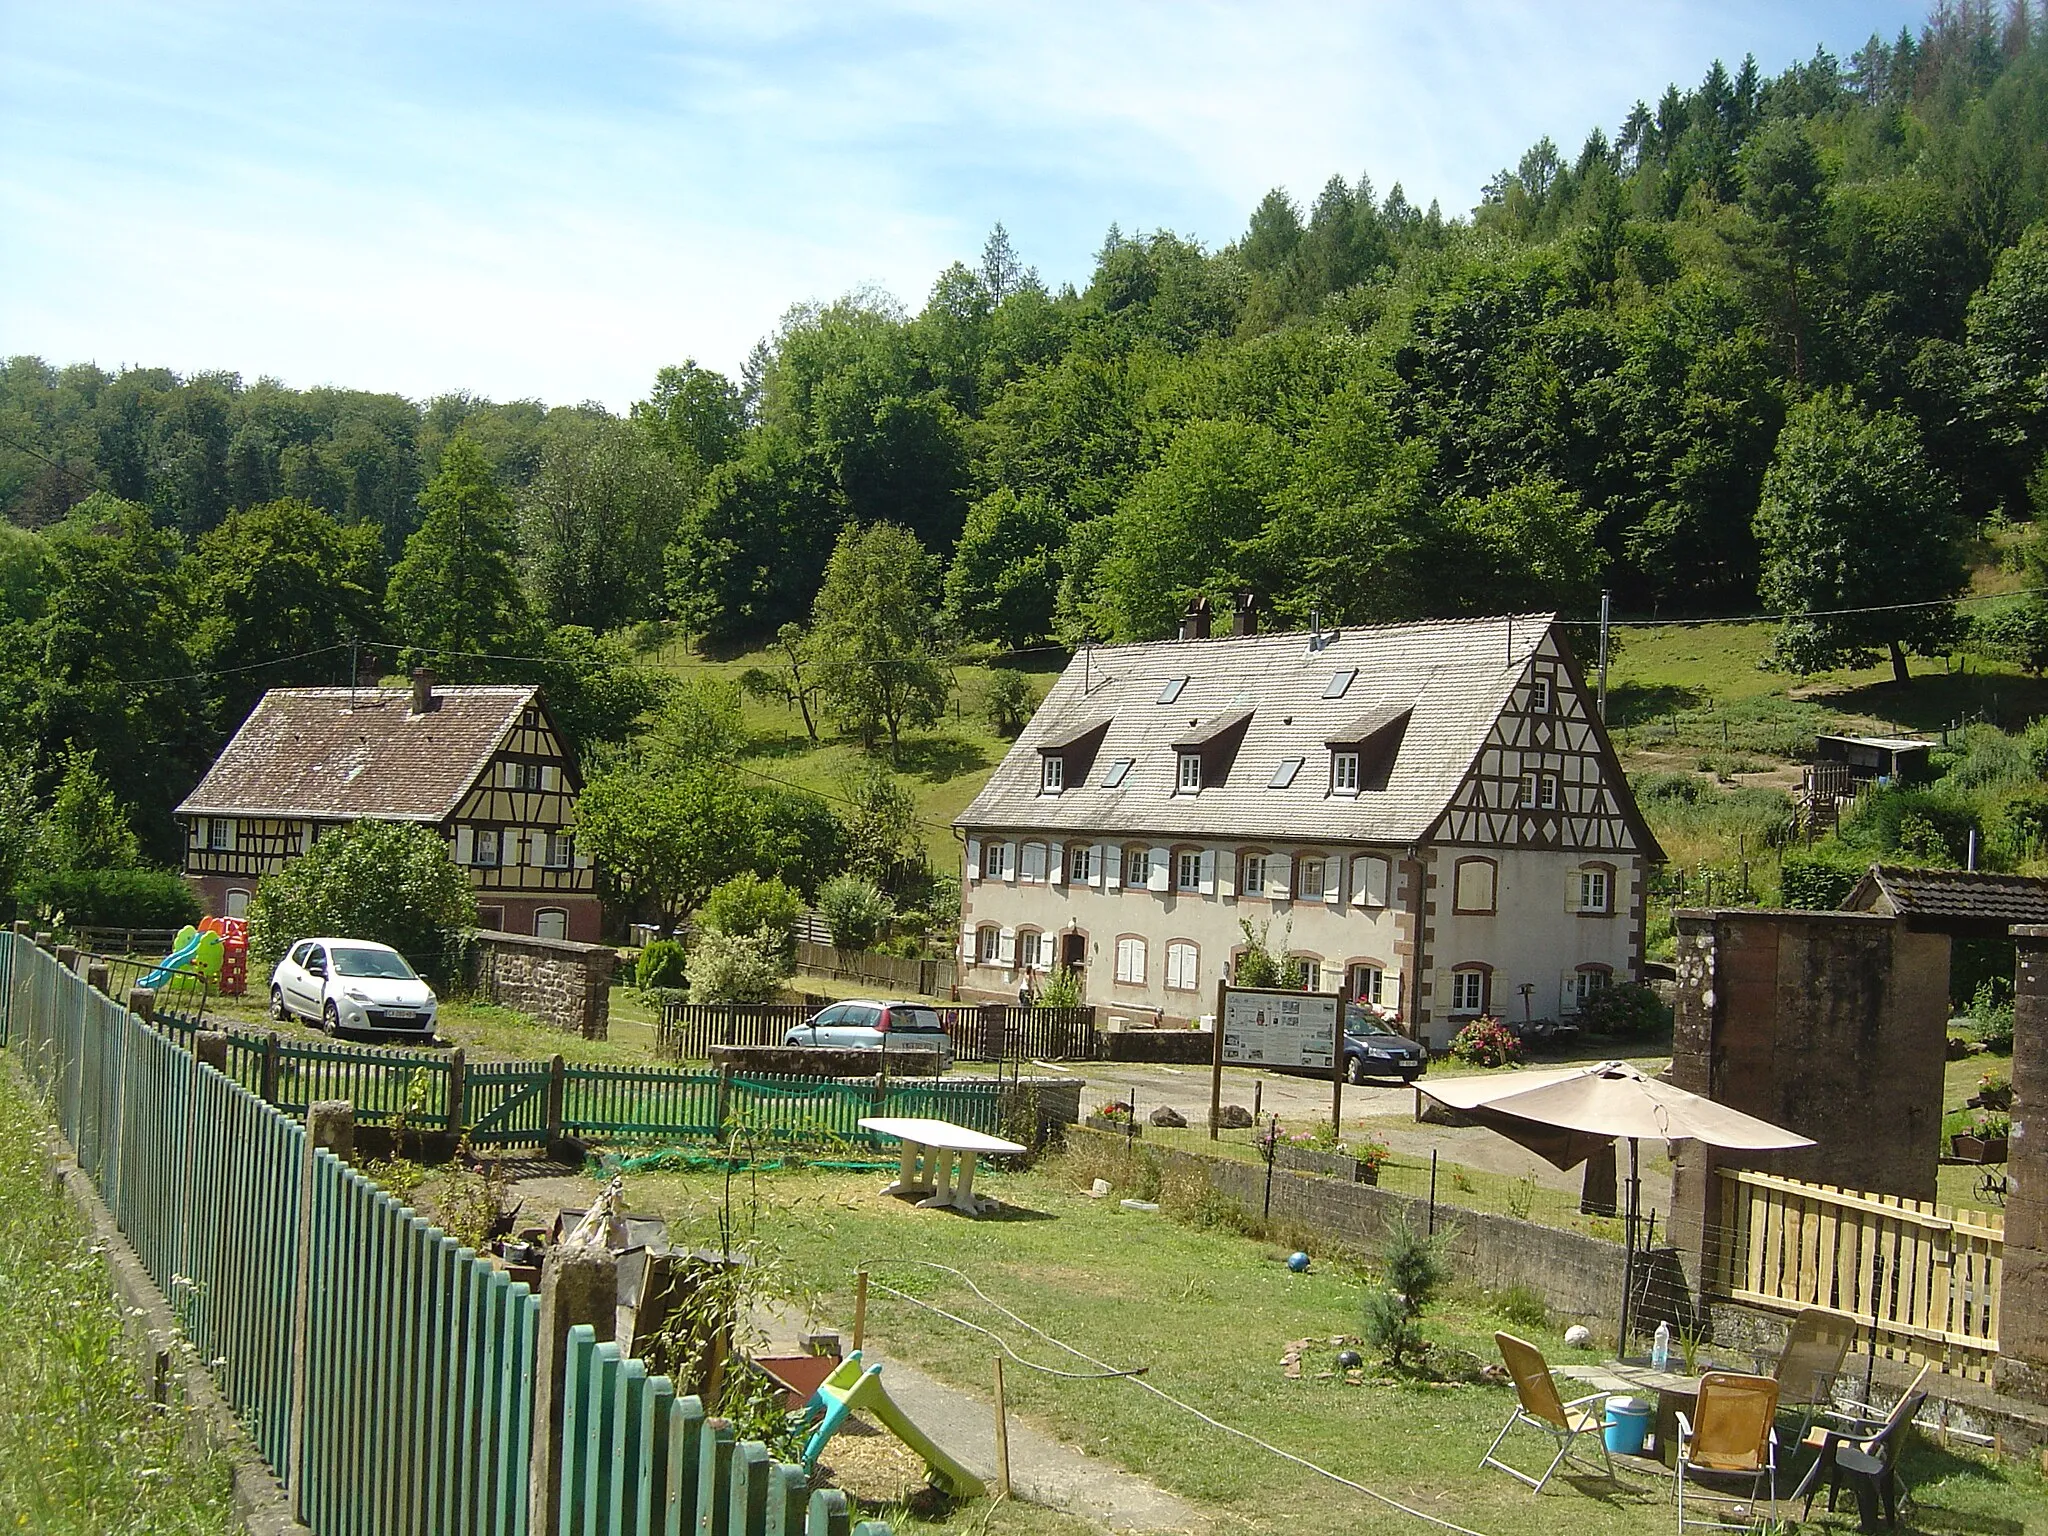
(400, 1013)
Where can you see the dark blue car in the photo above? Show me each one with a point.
(1372, 1049)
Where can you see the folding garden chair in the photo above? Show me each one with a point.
(1866, 1456)
(1731, 1441)
(1812, 1359)
(1538, 1405)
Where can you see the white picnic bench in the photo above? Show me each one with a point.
(932, 1151)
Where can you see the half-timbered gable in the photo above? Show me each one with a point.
(1430, 814)
(484, 765)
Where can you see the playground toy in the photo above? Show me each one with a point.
(234, 955)
(1298, 1262)
(853, 1388)
(194, 956)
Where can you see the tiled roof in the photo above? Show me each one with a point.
(1455, 675)
(1938, 895)
(345, 753)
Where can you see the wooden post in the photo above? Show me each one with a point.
(1216, 1061)
(211, 1047)
(1337, 1061)
(1002, 1436)
(99, 977)
(579, 1286)
(860, 1308)
(458, 1093)
(269, 1078)
(330, 1125)
(558, 1082)
(142, 1003)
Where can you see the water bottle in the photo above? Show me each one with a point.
(1660, 1348)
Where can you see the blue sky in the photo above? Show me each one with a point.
(555, 200)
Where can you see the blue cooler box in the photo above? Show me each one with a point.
(1627, 1425)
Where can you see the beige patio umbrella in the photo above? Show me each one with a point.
(1566, 1114)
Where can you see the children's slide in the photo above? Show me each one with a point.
(853, 1388)
(194, 954)
(183, 950)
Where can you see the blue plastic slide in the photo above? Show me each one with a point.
(179, 957)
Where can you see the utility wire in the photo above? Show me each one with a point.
(1793, 618)
(1214, 1423)
(62, 468)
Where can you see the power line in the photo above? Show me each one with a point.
(62, 468)
(1815, 613)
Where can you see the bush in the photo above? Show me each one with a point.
(1820, 879)
(737, 968)
(112, 898)
(388, 882)
(1630, 1009)
(1486, 1043)
(1062, 989)
(1412, 1270)
(1008, 702)
(1257, 965)
(1991, 1017)
(663, 963)
(854, 909)
(748, 904)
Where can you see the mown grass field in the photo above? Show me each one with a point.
(82, 1450)
(1208, 1314)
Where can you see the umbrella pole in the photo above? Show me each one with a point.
(1628, 1262)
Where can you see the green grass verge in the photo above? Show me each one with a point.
(1209, 1314)
(81, 1448)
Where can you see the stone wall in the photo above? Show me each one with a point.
(822, 1061)
(1181, 1047)
(1578, 1276)
(2022, 1367)
(564, 984)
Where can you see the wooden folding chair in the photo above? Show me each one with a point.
(1538, 1405)
(1732, 1440)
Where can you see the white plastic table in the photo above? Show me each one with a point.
(932, 1150)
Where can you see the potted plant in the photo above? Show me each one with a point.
(1116, 1116)
(1985, 1140)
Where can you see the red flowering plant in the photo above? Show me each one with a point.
(1487, 1043)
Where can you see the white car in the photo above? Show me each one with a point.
(343, 984)
(873, 1025)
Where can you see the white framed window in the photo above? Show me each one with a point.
(1369, 880)
(1539, 696)
(220, 834)
(1138, 867)
(1251, 874)
(561, 850)
(1283, 776)
(238, 904)
(526, 776)
(487, 848)
(1368, 984)
(988, 944)
(1596, 891)
(1472, 888)
(1340, 683)
(1032, 949)
(1190, 772)
(1183, 966)
(1526, 800)
(1308, 877)
(1581, 985)
(1546, 792)
(995, 860)
(1468, 991)
(551, 923)
(1170, 689)
(1052, 774)
(1081, 864)
(1187, 870)
(1307, 971)
(1130, 960)
(1344, 773)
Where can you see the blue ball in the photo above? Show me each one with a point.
(1298, 1262)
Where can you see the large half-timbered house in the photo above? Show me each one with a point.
(1431, 813)
(485, 766)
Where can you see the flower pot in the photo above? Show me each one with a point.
(1114, 1127)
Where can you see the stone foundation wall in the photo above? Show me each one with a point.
(564, 984)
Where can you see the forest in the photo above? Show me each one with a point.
(1769, 344)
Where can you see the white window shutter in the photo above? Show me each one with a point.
(1159, 875)
(537, 849)
(1109, 866)
(1226, 873)
(1567, 988)
(1571, 890)
(1057, 873)
(1006, 948)
(1280, 878)
(1007, 854)
(973, 860)
(1208, 875)
(1032, 861)
(1390, 990)
(465, 844)
(967, 946)
(1333, 880)
(1443, 997)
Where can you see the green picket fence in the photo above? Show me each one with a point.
(640, 1459)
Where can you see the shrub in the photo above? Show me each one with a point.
(1486, 1043)
(1412, 1270)
(1820, 879)
(113, 898)
(663, 963)
(1630, 1009)
(748, 904)
(854, 909)
(1062, 989)
(386, 881)
(737, 968)
(1008, 702)
(1257, 965)
(1991, 1017)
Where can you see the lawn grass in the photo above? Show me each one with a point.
(1208, 1315)
(81, 1448)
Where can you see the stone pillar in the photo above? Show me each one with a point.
(67, 955)
(579, 1285)
(330, 1127)
(142, 1003)
(211, 1047)
(100, 978)
(2022, 1367)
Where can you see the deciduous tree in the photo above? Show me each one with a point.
(872, 628)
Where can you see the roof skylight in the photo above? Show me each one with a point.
(1170, 690)
(1117, 770)
(1283, 776)
(1340, 684)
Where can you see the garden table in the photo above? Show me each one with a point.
(932, 1150)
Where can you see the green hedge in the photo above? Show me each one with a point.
(1820, 882)
(113, 898)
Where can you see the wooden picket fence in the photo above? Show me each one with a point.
(386, 1375)
(892, 975)
(1923, 1277)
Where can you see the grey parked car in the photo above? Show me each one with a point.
(889, 1026)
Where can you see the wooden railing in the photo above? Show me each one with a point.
(1923, 1277)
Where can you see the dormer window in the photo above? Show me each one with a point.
(1052, 775)
(1343, 773)
(1190, 773)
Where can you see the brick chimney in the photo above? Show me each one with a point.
(1194, 624)
(1246, 620)
(423, 699)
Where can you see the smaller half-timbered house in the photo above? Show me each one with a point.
(484, 765)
